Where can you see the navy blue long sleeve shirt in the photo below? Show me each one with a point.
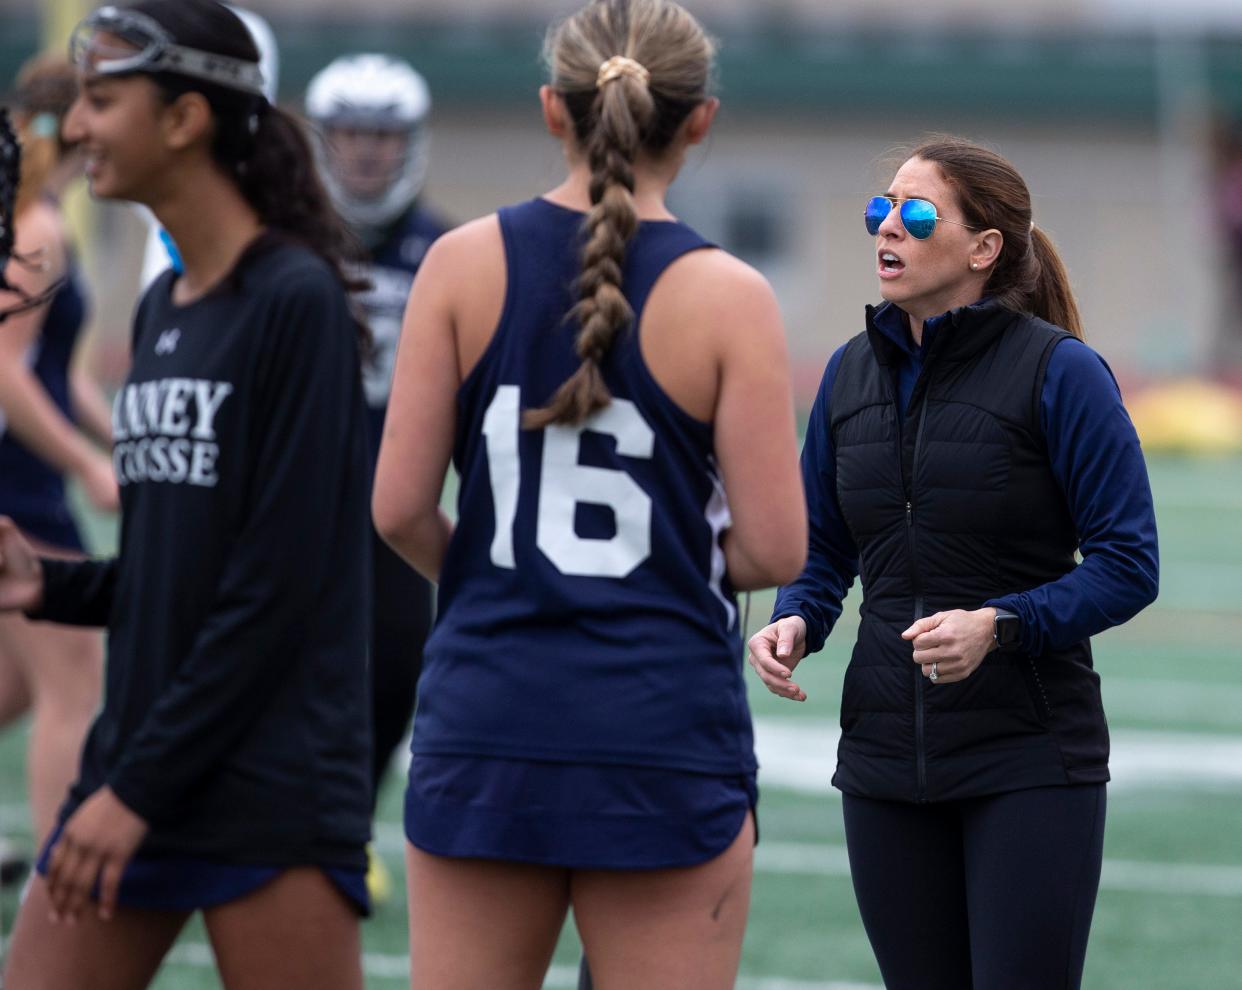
(1095, 457)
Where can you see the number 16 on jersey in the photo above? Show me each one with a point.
(563, 483)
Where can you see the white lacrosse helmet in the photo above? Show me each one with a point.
(374, 94)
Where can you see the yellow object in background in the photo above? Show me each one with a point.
(59, 19)
(379, 879)
(1188, 416)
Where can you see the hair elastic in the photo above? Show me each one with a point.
(618, 66)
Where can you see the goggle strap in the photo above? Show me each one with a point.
(156, 52)
(209, 67)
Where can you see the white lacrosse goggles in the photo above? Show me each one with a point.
(116, 41)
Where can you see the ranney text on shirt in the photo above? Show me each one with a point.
(164, 430)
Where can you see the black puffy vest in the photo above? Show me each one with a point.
(949, 507)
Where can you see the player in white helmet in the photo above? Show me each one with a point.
(370, 113)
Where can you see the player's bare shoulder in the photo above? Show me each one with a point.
(719, 296)
(461, 286)
(467, 255)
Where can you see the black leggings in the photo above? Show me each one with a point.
(992, 893)
(400, 621)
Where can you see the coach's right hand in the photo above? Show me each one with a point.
(774, 652)
(21, 574)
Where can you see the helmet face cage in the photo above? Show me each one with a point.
(381, 97)
(116, 41)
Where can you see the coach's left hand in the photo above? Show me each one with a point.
(97, 841)
(956, 642)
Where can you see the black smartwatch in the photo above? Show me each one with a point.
(1006, 628)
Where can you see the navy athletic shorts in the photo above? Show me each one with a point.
(160, 883)
(573, 815)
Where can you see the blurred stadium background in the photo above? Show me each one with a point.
(1125, 116)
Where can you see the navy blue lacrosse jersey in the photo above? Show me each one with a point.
(584, 611)
(32, 491)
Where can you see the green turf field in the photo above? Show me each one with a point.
(1170, 907)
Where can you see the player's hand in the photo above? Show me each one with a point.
(956, 642)
(95, 845)
(99, 483)
(774, 652)
(21, 574)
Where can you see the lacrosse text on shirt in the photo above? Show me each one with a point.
(163, 430)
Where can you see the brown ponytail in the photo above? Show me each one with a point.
(660, 70)
(1029, 276)
(1052, 299)
(46, 87)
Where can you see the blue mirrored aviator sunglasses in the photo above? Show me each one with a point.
(918, 216)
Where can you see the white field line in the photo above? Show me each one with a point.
(821, 859)
(1179, 760)
(800, 756)
(397, 967)
(1187, 879)
(778, 984)
(566, 978)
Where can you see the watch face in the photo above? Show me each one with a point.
(1006, 630)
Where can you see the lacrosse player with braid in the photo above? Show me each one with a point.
(54, 425)
(227, 772)
(598, 374)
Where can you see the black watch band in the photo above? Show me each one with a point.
(1006, 628)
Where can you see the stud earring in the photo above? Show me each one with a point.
(974, 265)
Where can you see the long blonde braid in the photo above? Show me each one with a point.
(630, 72)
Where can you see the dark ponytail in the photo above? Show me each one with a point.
(1052, 299)
(263, 148)
(279, 180)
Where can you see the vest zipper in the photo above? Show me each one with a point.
(920, 743)
(915, 587)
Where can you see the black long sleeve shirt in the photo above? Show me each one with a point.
(236, 717)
